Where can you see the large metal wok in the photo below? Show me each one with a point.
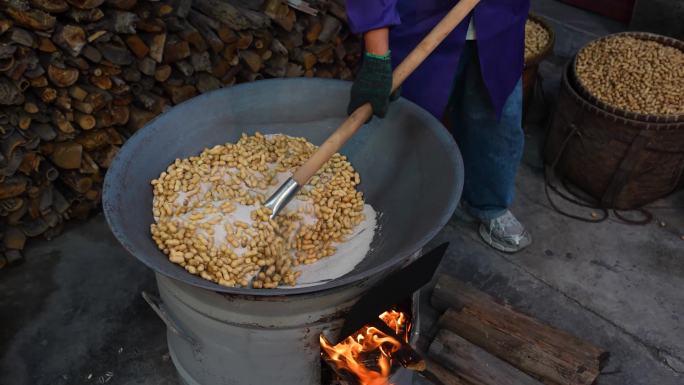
(410, 167)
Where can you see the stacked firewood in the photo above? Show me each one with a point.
(77, 77)
(482, 342)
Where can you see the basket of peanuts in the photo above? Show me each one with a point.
(618, 129)
(539, 41)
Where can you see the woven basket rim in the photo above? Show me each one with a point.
(546, 51)
(653, 118)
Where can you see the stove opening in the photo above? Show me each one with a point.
(374, 352)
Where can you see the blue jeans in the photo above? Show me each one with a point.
(491, 147)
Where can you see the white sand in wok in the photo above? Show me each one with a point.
(349, 253)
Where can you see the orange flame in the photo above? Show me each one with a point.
(350, 354)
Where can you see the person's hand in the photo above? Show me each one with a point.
(373, 84)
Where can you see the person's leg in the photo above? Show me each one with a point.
(491, 149)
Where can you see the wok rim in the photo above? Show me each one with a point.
(443, 136)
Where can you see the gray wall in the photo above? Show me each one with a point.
(665, 17)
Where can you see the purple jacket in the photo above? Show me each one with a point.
(500, 29)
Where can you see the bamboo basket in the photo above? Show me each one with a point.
(624, 163)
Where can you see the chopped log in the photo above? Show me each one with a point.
(63, 100)
(474, 364)
(201, 23)
(123, 22)
(113, 116)
(71, 38)
(226, 34)
(84, 107)
(30, 163)
(76, 181)
(281, 14)
(78, 93)
(207, 82)
(91, 53)
(101, 34)
(324, 53)
(103, 82)
(67, 155)
(24, 121)
(78, 63)
(14, 239)
(11, 205)
(148, 66)
(48, 94)
(220, 68)
(32, 18)
(5, 25)
(139, 118)
(201, 62)
(278, 47)
(86, 15)
(62, 77)
(59, 203)
(294, 70)
(314, 30)
(124, 5)
(162, 73)
(85, 121)
(176, 50)
(13, 257)
(230, 54)
(22, 37)
(308, 60)
(13, 186)
(85, 4)
(179, 94)
(97, 98)
(88, 165)
(331, 27)
(181, 8)
(137, 46)
(245, 39)
(31, 107)
(116, 52)
(151, 102)
(44, 131)
(61, 122)
(185, 68)
(193, 36)
(10, 93)
(552, 355)
(224, 12)
(151, 25)
(277, 66)
(7, 62)
(252, 60)
(104, 157)
(94, 139)
(156, 45)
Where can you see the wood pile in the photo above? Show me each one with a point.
(482, 342)
(77, 77)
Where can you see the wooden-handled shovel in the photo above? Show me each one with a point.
(357, 119)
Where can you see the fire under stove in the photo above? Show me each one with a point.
(411, 173)
(216, 338)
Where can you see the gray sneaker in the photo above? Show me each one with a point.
(505, 233)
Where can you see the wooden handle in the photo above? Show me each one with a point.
(403, 70)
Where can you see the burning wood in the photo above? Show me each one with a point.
(367, 357)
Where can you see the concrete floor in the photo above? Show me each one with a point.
(73, 314)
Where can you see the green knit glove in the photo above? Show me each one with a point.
(373, 84)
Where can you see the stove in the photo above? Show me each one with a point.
(223, 339)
